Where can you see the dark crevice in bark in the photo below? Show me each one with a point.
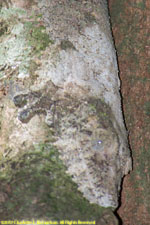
(120, 222)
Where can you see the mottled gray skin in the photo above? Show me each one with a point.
(85, 136)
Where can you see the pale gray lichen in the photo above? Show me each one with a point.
(21, 40)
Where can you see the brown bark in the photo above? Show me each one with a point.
(130, 24)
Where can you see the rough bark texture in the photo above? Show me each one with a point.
(60, 110)
(130, 23)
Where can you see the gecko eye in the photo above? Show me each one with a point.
(97, 145)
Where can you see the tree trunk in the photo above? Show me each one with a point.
(64, 148)
(130, 23)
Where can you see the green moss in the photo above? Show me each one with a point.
(37, 37)
(92, 107)
(40, 187)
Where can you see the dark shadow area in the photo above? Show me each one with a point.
(119, 205)
(118, 217)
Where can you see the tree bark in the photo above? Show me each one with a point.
(130, 24)
(60, 111)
